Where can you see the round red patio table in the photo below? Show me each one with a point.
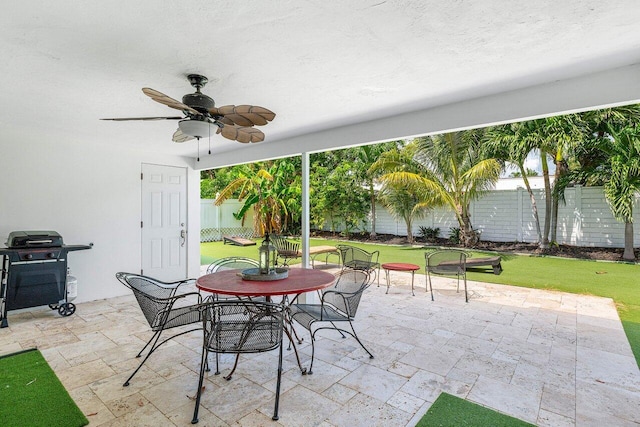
(400, 266)
(230, 282)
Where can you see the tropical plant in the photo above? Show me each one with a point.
(429, 233)
(448, 170)
(608, 156)
(367, 155)
(271, 190)
(553, 138)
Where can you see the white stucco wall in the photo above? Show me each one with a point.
(89, 194)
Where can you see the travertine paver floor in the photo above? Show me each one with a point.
(549, 358)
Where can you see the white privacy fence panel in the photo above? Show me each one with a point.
(506, 216)
(218, 221)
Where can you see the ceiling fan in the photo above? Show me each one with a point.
(201, 116)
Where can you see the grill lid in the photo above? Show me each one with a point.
(33, 239)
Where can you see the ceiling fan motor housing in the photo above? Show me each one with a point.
(199, 102)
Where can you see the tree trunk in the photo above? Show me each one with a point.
(409, 232)
(373, 212)
(532, 198)
(628, 254)
(468, 237)
(561, 169)
(544, 244)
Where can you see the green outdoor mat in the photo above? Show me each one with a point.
(32, 395)
(452, 411)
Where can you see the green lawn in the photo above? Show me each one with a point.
(618, 281)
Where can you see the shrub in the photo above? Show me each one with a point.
(429, 233)
(454, 235)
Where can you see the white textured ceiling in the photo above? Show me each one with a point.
(317, 64)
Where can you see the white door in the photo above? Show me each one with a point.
(164, 222)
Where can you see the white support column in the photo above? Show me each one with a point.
(305, 210)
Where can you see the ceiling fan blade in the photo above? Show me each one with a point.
(167, 100)
(124, 119)
(241, 134)
(178, 136)
(245, 115)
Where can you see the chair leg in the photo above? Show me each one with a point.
(429, 285)
(295, 350)
(154, 347)
(360, 342)
(466, 297)
(279, 381)
(156, 335)
(337, 329)
(313, 351)
(235, 365)
(205, 353)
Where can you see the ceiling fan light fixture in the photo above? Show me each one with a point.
(196, 128)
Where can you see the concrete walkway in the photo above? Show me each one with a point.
(549, 358)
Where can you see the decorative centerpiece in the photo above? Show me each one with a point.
(267, 269)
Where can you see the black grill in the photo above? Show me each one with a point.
(34, 272)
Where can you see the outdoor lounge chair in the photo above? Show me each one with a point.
(339, 303)
(237, 327)
(447, 262)
(157, 301)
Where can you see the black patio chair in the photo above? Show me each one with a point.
(447, 262)
(355, 258)
(232, 262)
(157, 300)
(338, 303)
(238, 327)
(285, 249)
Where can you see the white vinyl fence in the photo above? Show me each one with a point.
(218, 221)
(506, 216)
(501, 216)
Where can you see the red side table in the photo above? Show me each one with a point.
(400, 266)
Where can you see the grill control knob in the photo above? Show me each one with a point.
(28, 256)
(51, 255)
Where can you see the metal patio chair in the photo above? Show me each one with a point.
(355, 258)
(447, 262)
(157, 300)
(338, 303)
(238, 327)
(232, 262)
(285, 249)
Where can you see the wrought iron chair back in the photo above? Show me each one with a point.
(230, 263)
(355, 258)
(285, 249)
(339, 303)
(157, 300)
(447, 262)
(241, 326)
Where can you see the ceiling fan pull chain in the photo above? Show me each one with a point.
(198, 138)
(209, 138)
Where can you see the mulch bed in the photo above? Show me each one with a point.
(605, 254)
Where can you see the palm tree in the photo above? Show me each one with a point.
(450, 170)
(553, 138)
(506, 143)
(367, 155)
(623, 167)
(404, 202)
(608, 155)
